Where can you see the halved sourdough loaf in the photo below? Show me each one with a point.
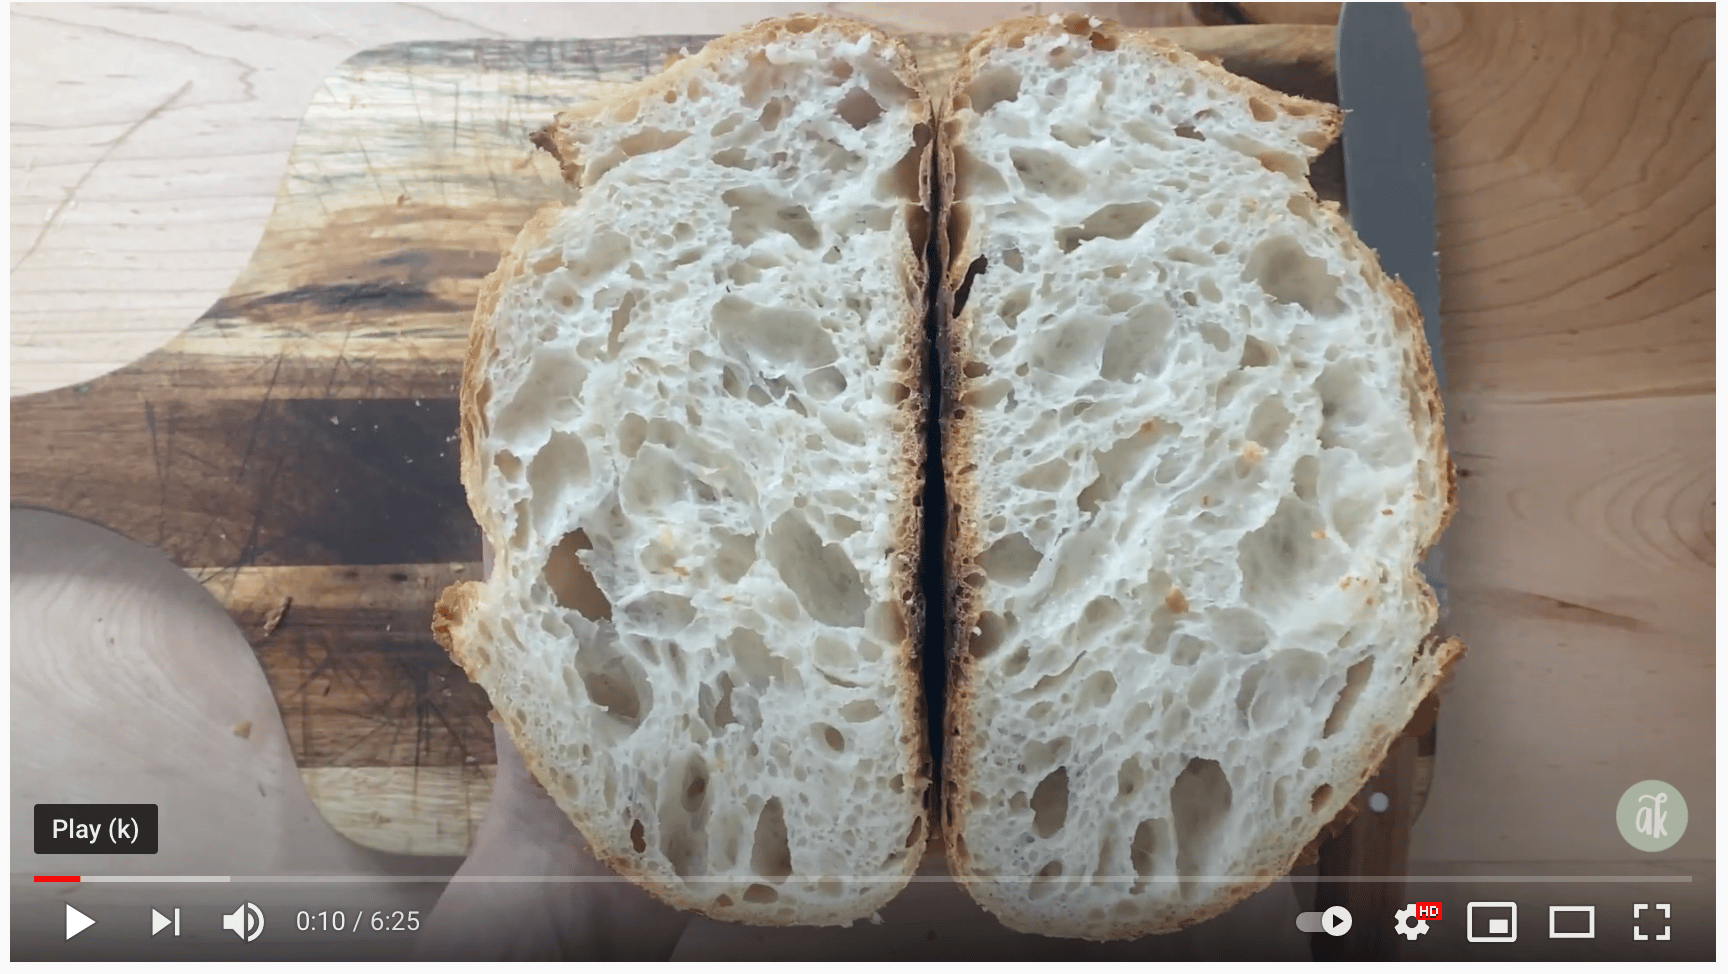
(692, 431)
(1194, 455)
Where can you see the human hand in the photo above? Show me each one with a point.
(560, 903)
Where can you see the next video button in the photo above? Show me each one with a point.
(83, 829)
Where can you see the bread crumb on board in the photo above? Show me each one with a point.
(274, 618)
(243, 730)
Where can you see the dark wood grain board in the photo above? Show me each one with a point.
(295, 449)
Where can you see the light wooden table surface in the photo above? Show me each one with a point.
(1574, 161)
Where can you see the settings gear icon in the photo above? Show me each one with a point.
(1410, 930)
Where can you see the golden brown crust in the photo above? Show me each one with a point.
(957, 247)
(455, 608)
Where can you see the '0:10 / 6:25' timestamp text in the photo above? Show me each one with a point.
(337, 921)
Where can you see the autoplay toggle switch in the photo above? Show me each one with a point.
(1335, 921)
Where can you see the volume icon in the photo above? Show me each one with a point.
(247, 921)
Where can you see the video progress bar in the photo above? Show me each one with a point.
(876, 879)
(134, 879)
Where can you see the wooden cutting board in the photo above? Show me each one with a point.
(295, 449)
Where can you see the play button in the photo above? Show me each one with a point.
(1335, 921)
(76, 923)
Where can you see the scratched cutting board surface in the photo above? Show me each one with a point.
(295, 449)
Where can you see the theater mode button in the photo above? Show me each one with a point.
(1335, 921)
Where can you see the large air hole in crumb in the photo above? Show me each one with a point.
(561, 463)
(1074, 133)
(1160, 632)
(1203, 683)
(1131, 777)
(1272, 688)
(974, 178)
(860, 711)
(621, 316)
(1013, 305)
(734, 158)
(734, 555)
(1118, 221)
(1287, 272)
(903, 181)
(1047, 477)
(614, 682)
(1137, 346)
(659, 614)
(772, 335)
(1355, 681)
(684, 818)
(991, 631)
(773, 112)
(1257, 354)
(1121, 463)
(1269, 424)
(1306, 477)
(1096, 692)
(1050, 804)
(831, 737)
(1217, 336)
(825, 383)
(1200, 803)
(1098, 615)
(714, 704)
(1044, 883)
(571, 582)
(759, 665)
(990, 87)
(650, 140)
(554, 377)
(1345, 404)
(1047, 173)
(1350, 516)
(1284, 164)
(1321, 796)
(1011, 561)
(1240, 629)
(859, 109)
(757, 213)
(1151, 840)
(821, 576)
(1071, 345)
(770, 852)
(1281, 557)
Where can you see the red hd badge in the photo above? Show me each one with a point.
(1427, 911)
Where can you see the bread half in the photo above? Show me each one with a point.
(692, 421)
(1194, 454)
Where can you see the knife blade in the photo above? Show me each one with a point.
(1389, 167)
